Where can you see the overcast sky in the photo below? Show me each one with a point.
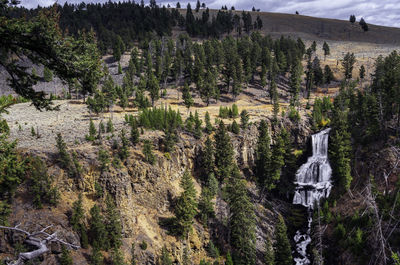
(380, 12)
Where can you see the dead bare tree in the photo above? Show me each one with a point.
(378, 236)
(39, 239)
(318, 234)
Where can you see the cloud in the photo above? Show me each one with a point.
(377, 12)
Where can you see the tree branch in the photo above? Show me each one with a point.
(34, 240)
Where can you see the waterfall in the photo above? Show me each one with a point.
(313, 182)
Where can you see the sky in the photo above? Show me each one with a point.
(379, 12)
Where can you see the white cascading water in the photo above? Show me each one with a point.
(313, 182)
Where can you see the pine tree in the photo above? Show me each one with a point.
(223, 152)
(362, 72)
(208, 162)
(235, 127)
(47, 74)
(134, 133)
(102, 129)
(119, 68)
(340, 144)
(314, 46)
(294, 82)
(326, 49)
(96, 103)
(187, 97)
(113, 224)
(118, 48)
(153, 87)
(96, 258)
(244, 119)
(212, 184)
(363, 24)
(229, 260)
(290, 167)
(328, 74)
(170, 138)
(65, 258)
(110, 92)
(97, 231)
(110, 126)
(283, 253)
(208, 128)
(185, 209)
(165, 258)
(116, 257)
(277, 160)
(339, 153)
(123, 97)
(148, 152)
(209, 87)
(197, 125)
(92, 131)
(104, 160)
(40, 184)
(197, 6)
(275, 102)
(77, 214)
(242, 226)
(206, 206)
(348, 64)
(124, 150)
(263, 157)
(64, 157)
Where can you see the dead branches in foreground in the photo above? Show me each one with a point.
(39, 239)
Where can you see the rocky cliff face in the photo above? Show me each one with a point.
(144, 195)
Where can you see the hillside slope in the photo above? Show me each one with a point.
(315, 28)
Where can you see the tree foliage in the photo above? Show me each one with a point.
(223, 152)
(242, 225)
(283, 253)
(40, 39)
(186, 206)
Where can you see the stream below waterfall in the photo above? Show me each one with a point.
(313, 182)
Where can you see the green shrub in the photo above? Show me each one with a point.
(98, 189)
(294, 115)
(65, 258)
(340, 232)
(321, 111)
(4, 127)
(143, 245)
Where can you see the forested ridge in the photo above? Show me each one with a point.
(230, 178)
(137, 22)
